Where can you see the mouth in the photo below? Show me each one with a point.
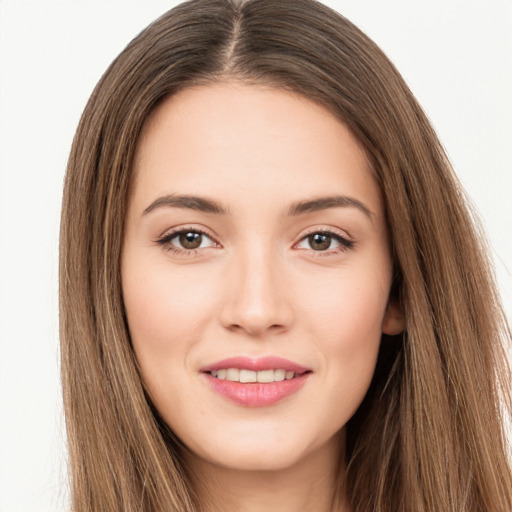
(248, 376)
(256, 382)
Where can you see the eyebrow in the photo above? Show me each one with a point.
(197, 203)
(324, 203)
(206, 205)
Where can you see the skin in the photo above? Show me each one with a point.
(256, 286)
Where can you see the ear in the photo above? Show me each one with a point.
(394, 321)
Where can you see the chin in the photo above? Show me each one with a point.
(255, 459)
(271, 452)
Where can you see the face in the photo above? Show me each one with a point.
(256, 273)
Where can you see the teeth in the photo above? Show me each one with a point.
(279, 375)
(233, 374)
(247, 376)
(263, 376)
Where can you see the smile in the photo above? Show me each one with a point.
(263, 376)
(255, 382)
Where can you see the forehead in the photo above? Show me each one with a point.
(245, 142)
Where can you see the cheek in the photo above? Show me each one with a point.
(345, 320)
(349, 308)
(166, 309)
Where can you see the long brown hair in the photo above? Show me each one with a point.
(429, 435)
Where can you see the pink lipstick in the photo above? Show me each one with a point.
(255, 382)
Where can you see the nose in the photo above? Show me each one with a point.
(257, 299)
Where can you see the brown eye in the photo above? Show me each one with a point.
(190, 240)
(319, 241)
(330, 243)
(186, 241)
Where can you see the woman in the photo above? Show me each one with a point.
(272, 293)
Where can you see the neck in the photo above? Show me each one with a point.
(312, 483)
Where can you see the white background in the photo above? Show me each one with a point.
(456, 56)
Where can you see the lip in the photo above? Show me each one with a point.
(256, 365)
(256, 394)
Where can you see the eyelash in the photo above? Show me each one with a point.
(344, 242)
(165, 241)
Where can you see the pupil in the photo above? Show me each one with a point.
(319, 241)
(190, 240)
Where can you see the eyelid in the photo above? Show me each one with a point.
(344, 239)
(169, 234)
